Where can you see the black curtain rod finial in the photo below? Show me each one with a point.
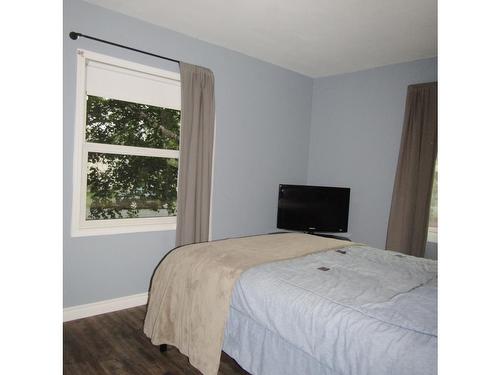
(74, 35)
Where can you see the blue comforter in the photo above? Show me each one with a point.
(356, 311)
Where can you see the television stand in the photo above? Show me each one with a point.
(335, 236)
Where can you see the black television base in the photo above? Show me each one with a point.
(330, 236)
(321, 235)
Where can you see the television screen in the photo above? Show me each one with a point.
(313, 208)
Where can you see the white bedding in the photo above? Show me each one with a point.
(372, 312)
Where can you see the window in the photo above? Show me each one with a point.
(126, 147)
(432, 233)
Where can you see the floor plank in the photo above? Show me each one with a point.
(115, 344)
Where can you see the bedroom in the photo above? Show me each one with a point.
(292, 96)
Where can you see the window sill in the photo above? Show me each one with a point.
(122, 229)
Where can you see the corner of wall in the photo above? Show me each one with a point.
(309, 129)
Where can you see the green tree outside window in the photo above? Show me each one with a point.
(129, 186)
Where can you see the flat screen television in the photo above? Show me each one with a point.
(313, 208)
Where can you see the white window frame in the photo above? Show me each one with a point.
(79, 225)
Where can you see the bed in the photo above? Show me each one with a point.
(309, 305)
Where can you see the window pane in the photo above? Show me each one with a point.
(131, 124)
(433, 215)
(125, 186)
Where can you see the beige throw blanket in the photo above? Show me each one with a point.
(191, 289)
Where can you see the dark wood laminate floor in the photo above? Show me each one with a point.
(115, 344)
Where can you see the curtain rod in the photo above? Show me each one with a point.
(74, 35)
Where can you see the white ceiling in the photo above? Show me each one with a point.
(313, 37)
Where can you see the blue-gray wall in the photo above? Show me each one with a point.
(262, 114)
(355, 134)
(273, 126)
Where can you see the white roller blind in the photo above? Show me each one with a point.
(114, 82)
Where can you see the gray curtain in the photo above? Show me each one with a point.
(196, 150)
(409, 217)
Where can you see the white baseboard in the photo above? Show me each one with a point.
(102, 307)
